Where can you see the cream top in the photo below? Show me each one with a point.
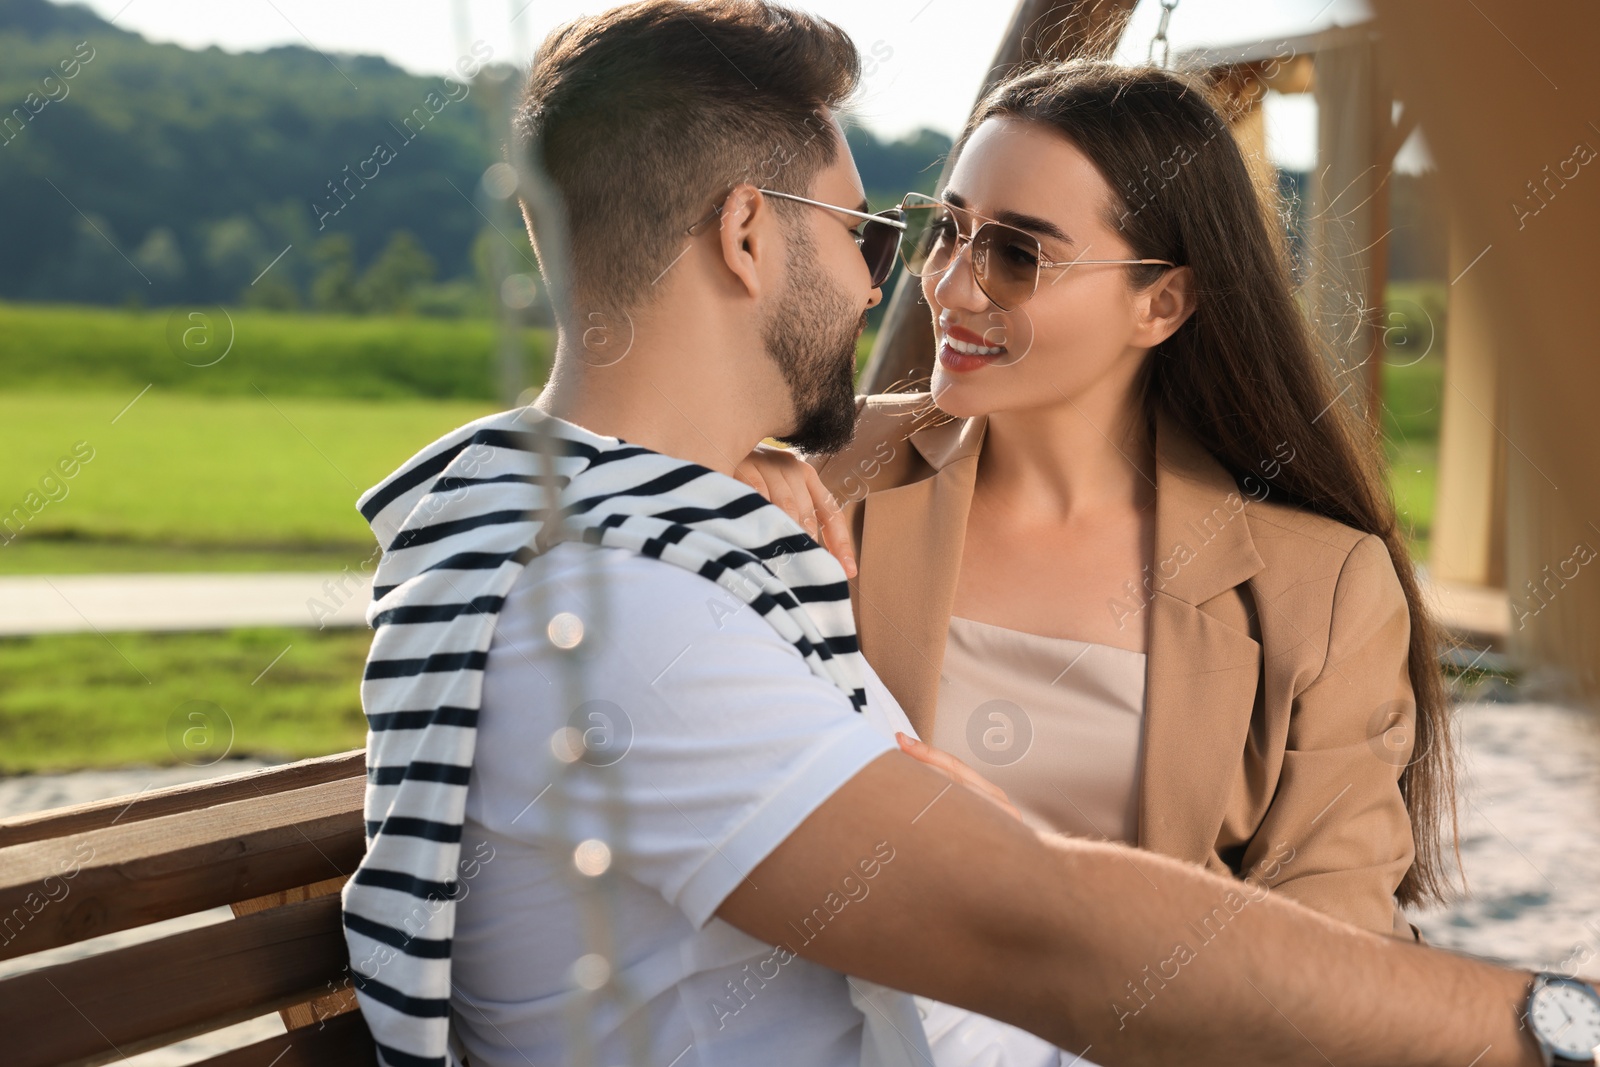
(1052, 721)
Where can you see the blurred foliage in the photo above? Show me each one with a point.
(203, 165)
(1413, 361)
(156, 175)
(1413, 321)
(890, 170)
(390, 285)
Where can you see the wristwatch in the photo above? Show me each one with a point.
(1564, 1015)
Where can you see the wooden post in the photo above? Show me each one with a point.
(1349, 214)
(1468, 540)
(1518, 154)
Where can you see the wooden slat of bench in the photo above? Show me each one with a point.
(128, 1000)
(81, 818)
(344, 1040)
(127, 876)
(313, 1011)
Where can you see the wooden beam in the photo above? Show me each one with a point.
(1240, 91)
(64, 890)
(327, 1003)
(902, 356)
(112, 1005)
(81, 818)
(344, 1040)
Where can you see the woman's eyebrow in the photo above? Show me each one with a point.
(1031, 223)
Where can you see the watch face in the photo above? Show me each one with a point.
(1568, 1018)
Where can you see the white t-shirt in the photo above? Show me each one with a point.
(717, 741)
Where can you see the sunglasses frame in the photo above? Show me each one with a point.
(887, 217)
(924, 202)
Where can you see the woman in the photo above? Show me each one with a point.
(1144, 576)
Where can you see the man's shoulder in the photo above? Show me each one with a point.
(635, 598)
(628, 574)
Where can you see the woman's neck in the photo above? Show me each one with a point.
(1062, 461)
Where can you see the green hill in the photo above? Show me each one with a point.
(151, 174)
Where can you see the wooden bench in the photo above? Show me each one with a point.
(275, 845)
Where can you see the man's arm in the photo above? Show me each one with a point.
(1087, 944)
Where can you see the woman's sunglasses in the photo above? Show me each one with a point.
(878, 238)
(1006, 261)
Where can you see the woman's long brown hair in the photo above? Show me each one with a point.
(1243, 374)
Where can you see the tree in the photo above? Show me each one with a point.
(333, 287)
(392, 280)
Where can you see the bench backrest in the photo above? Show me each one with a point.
(275, 845)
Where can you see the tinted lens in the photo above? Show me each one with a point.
(930, 236)
(879, 242)
(1006, 263)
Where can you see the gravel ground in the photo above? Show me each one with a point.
(1530, 839)
(1530, 846)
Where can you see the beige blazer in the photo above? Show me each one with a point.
(1276, 662)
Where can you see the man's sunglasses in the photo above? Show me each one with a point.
(1006, 261)
(878, 237)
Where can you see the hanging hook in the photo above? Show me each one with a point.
(1167, 8)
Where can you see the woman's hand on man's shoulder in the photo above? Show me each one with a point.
(792, 485)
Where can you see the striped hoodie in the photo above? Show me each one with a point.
(458, 522)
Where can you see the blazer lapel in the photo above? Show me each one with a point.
(911, 545)
(1203, 665)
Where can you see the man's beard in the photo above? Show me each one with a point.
(811, 335)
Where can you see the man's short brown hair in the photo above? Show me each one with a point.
(646, 115)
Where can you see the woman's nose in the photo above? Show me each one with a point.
(958, 284)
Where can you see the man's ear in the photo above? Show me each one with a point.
(741, 236)
(1166, 305)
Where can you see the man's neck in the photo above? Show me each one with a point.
(674, 416)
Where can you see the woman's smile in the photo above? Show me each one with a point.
(961, 350)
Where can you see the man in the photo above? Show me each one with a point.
(625, 802)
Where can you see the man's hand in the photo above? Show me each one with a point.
(792, 484)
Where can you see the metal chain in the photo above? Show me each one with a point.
(593, 864)
(1167, 8)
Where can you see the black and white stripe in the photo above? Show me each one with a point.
(458, 523)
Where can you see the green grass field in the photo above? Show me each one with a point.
(1412, 394)
(256, 464)
(71, 701)
(73, 349)
(187, 482)
(183, 482)
(253, 463)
